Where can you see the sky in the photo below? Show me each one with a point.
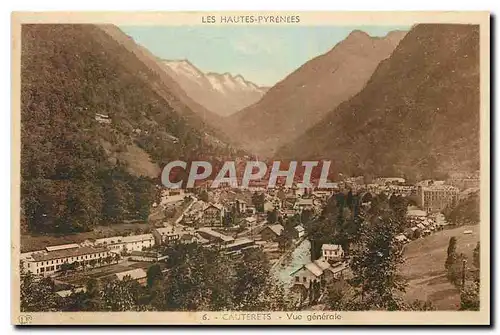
(261, 54)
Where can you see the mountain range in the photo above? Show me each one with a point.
(418, 115)
(304, 97)
(222, 94)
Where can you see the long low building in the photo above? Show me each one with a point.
(130, 243)
(51, 259)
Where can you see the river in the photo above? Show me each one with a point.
(300, 255)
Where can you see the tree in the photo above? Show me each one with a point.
(88, 300)
(120, 295)
(272, 216)
(455, 272)
(258, 200)
(37, 293)
(476, 256)
(253, 289)
(469, 297)
(339, 295)
(93, 262)
(153, 274)
(375, 264)
(451, 257)
(203, 195)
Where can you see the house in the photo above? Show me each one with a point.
(215, 237)
(50, 260)
(239, 206)
(138, 242)
(251, 220)
(415, 213)
(67, 293)
(307, 274)
(269, 233)
(401, 238)
(114, 244)
(102, 118)
(251, 210)
(240, 244)
(303, 204)
(389, 180)
(299, 231)
(318, 271)
(269, 206)
(146, 256)
(165, 235)
(213, 215)
(337, 270)
(287, 213)
(332, 252)
(138, 275)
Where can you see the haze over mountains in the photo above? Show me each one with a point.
(223, 94)
(301, 99)
(418, 115)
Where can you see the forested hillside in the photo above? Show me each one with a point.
(95, 131)
(418, 115)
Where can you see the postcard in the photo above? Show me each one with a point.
(250, 168)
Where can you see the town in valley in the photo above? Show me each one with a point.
(113, 217)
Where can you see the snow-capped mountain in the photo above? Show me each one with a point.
(223, 94)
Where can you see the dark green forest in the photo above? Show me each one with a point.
(75, 171)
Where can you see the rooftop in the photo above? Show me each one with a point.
(138, 238)
(213, 233)
(75, 252)
(134, 274)
(331, 247)
(110, 240)
(62, 247)
(314, 269)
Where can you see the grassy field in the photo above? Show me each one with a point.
(424, 267)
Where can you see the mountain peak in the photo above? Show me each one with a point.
(357, 34)
(221, 93)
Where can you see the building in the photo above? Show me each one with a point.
(239, 245)
(239, 206)
(389, 181)
(270, 233)
(299, 231)
(165, 235)
(251, 220)
(102, 118)
(464, 183)
(50, 260)
(307, 274)
(435, 198)
(303, 204)
(146, 256)
(138, 275)
(332, 252)
(213, 215)
(317, 272)
(215, 237)
(114, 244)
(138, 242)
(251, 210)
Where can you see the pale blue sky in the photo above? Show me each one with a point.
(261, 54)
